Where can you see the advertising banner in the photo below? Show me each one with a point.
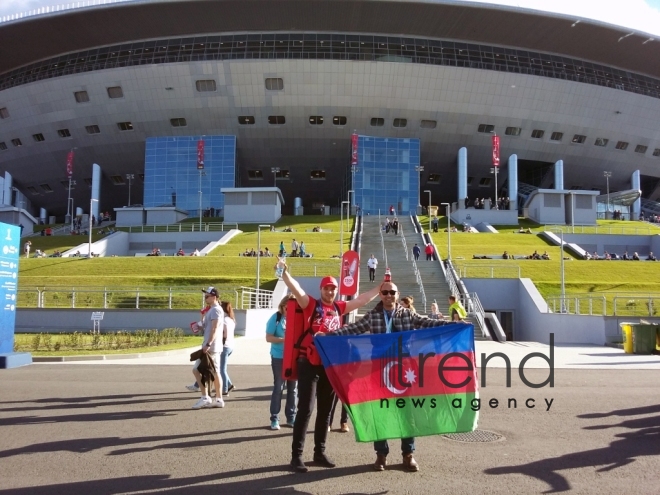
(9, 251)
(348, 279)
(200, 154)
(354, 150)
(496, 151)
(69, 164)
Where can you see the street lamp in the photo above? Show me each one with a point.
(341, 237)
(259, 227)
(561, 266)
(448, 230)
(89, 249)
(607, 176)
(201, 174)
(348, 210)
(130, 178)
(496, 168)
(275, 171)
(429, 209)
(69, 203)
(419, 169)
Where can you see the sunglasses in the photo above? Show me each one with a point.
(390, 292)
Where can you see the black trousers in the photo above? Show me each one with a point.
(312, 382)
(372, 274)
(344, 412)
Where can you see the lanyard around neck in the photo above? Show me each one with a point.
(388, 321)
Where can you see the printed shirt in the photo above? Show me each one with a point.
(329, 321)
(402, 319)
(273, 327)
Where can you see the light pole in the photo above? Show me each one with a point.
(448, 230)
(607, 176)
(130, 178)
(89, 248)
(69, 203)
(341, 236)
(259, 227)
(275, 171)
(348, 210)
(201, 174)
(429, 208)
(419, 169)
(495, 169)
(572, 212)
(561, 264)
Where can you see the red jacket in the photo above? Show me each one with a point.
(428, 249)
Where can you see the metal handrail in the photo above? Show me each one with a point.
(573, 304)
(465, 269)
(181, 227)
(598, 229)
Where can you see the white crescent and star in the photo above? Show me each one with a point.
(410, 378)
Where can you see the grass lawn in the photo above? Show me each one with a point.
(58, 242)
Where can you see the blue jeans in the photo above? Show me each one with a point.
(226, 381)
(407, 446)
(278, 388)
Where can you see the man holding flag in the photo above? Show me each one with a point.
(320, 316)
(387, 317)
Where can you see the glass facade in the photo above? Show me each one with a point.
(386, 174)
(171, 176)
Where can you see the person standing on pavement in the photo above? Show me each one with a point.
(212, 324)
(372, 264)
(416, 252)
(229, 325)
(321, 316)
(275, 335)
(388, 316)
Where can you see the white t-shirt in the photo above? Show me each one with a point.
(231, 325)
(215, 313)
(372, 263)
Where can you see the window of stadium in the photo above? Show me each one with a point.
(338, 120)
(485, 182)
(92, 129)
(601, 142)
(537, 133)
(656, 152)
(39, 137)
(117, 180)
(435, 178)
(621, 145)
(63, 133)
(274, 83)
(428, 124)
(255, 174)
(3, 146)
(640, 148)
(377, 122)
(512, 131)
(125, 126)
(81, 96)
(115, 92)
(205, 85)
(88, 181)
(178, 122)
(32, 189)
(16, 142)
(4, 113)
(46, 188)
(400, 123)
(469, 180)
(556, 136)
(316, 120)
(65, 183)
(579, 139)
(486, 128)
(246, 120)
(276, 119)
(317, 175)
(282, 174)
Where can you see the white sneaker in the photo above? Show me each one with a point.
(218, 403)
(203, 402)
(193, 388)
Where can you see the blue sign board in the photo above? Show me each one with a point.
(10, 239)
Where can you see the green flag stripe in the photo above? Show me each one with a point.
(374, 420)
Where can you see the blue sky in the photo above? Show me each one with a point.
(641, 15)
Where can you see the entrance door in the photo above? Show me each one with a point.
(506, 320)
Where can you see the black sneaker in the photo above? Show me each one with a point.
(231, 387)
(323, 460)
(298, 465)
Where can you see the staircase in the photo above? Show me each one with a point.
(434, 284)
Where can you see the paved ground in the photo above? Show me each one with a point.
(99, 429)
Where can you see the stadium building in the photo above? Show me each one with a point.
(276, 88)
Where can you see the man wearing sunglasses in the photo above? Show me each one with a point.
(322, 315)
(389, 316)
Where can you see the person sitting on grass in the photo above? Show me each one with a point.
(595, 256)
(195, 252)
(505, 255)
(635, 257)
(180, 252)
(545, 255)
(651, 257)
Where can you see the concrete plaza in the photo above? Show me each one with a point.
(125, 426)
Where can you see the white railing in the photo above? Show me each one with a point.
(418, 279)
(256, 298)
(636, 305)
(403, 241)
(600, 229)
(382, 240)
(489, 271)
(58, 8)
(578, 304)
(615, 304)
(473, 306)
(181, 227)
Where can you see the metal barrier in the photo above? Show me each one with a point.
(252, 298)
(578, 304)
(598, 229)
(614, 304)
(489, 271)
(637, 305)
(181, 227)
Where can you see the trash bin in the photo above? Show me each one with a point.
(643, 338)
(626, 330)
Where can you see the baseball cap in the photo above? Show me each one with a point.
(211, 290)
(328, 281)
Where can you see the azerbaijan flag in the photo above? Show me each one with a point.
(405, 384)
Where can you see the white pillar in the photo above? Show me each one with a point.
(462, 175)
(96, 190)
(7, 189)
(513, 182)
(635, 182)
(559, 175)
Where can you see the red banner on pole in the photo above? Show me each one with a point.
(69, 164)
(348, 279)
(354, 150)
(200, 154)
(496, 151)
